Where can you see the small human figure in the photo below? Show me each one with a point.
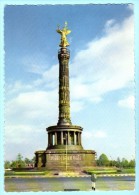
(93, 179)
(64, 32)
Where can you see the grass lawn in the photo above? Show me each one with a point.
(26, 173)
(106, 170)
(98, 171)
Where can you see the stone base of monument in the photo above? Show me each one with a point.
(59, 159)
(65, 151)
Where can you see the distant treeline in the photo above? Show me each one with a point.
(103, 160)
(20, 162)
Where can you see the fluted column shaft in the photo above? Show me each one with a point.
(61, 137)
(64, 94)
(55, 138)
(74, 138)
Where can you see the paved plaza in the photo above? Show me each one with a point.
(68, 184)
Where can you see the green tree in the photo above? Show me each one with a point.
(33, 160)
(19, 157)
(27, 161)
(7, 164)
(97, 162)
(19, 162)
(113, 163)
(118, 163)
(132, 163)
(103, 160)
(14, 164)
(125, 163)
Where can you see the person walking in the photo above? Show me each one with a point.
(93, 179)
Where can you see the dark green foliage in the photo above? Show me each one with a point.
(132, 163)
(7, 164)
(103, 160)
(19, 162)
(118, 164)
(124, 163)
(27, 161)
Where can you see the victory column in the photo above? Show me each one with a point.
(64, 97)
(64, 139)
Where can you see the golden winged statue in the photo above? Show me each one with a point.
(64, 32)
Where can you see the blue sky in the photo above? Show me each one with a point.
(101, 76)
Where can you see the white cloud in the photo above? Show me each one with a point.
(87, 135)
(48, 79)
(76, 106)
(51, 75)
(128, 102)
(94, 134)
(93, 139)
(100, 134)
(19, 133)
(32, 107)
(24, 139)
(106, 65)
(35, 68)
(16, 88)
(26, 118)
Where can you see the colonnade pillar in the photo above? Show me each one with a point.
(61, 137)
(76, 136)
(51, 141)
(55, 138)
(79, 138)
(68, 136)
